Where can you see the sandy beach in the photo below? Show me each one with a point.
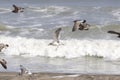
(56, 76)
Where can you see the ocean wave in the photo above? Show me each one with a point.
(4, 27)
(97, 8)
(50, 11)
(4, 10)
(72, 48)
(49, 8)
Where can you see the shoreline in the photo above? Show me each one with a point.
(57, 76)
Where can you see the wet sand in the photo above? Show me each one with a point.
(56, 76)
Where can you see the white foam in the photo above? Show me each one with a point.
(62, 76)
(75, 75)
(34, 25)
(116, 13)
(4, 10)
(46, 16)
(49, 9)
(96, 8)
(71, 49)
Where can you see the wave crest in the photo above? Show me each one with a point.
(72, 48)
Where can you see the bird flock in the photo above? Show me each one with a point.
(78, 25)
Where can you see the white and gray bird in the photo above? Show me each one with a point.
(56, 37)
(24, 70)
(3, 62)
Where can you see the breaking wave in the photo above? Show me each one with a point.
(72, 48)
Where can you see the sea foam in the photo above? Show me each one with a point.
(116, 13)
(72, 48)
(55, 9)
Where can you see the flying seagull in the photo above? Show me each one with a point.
(17, 9)
(80, 24)
(3, 62)
(114, 32)
(56, 36)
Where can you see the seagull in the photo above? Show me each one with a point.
(56, 36)
(2, 45)
(80, 24)
(3, 62)
(24, 70)
(17, 9)
(114, 32)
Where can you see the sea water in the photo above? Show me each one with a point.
(29, 33)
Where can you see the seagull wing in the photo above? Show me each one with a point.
(76, 25)
(57, 33)
(114, 32)
(74, 28)
(3, 65)
(15, 7)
